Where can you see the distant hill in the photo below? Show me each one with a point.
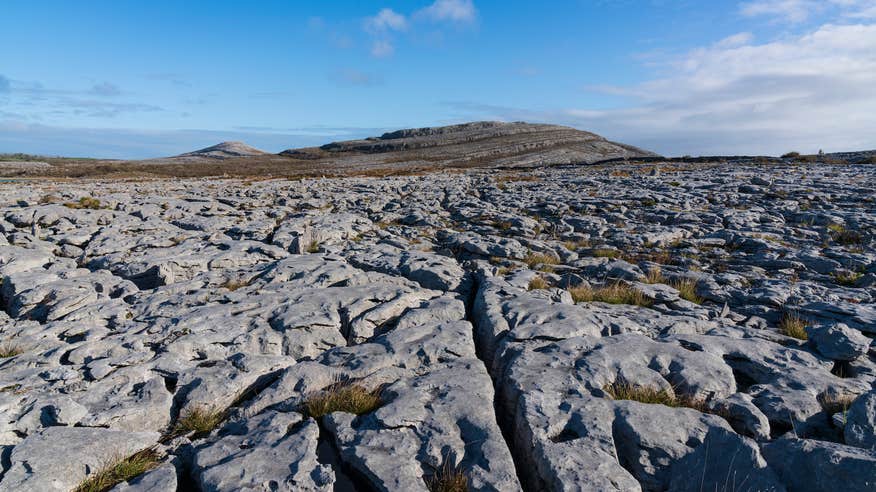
(226, 150)
(471, 145)
(478, 144)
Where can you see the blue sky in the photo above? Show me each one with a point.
(143, 79)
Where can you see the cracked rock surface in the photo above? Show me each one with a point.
(622, 327)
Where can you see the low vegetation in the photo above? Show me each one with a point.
(605, 253)
(687, 290)
(543, 262)
(120, 470)
(85, 202)
(199, 419)
(538, 283)
(849, 279)
(313, 247)
(843, 236)
(342, 397)
(654, 275)
(448, 478)
(651, 395)
(793, 325)
(615, 293)
(10, 350)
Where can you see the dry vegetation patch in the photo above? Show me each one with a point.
(342, 397)
(615, 293)
(118, 470)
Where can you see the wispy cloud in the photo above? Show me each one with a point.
(801, 93)
(105, 89)
(353, 77)
(797, 11)
(386, 20)
(462, 11)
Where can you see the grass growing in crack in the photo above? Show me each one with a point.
(848, 279)
(653, 396)
(793, 325)
(233, 284)
(448, 478)
(537, 283)
(120, 470)
(86, 202)
(10, 350)
(605, 253)
(545, 262)
(199, 419)
(342, 397)
(843, 236)
(687, 289)
(313, 247)
(655, 276)
(616, 293)
(836, 402)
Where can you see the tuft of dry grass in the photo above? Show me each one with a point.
(833, 403)
(342, 397)
(545, 262)
(86, 202)
(654, 396)
(199, 419)
(793, 325)
(538, 283)
(655, 276)
(576, 245)
(687, 289)
(605, 253)
(118, 470)
(448, 478)
(10, 350)
(615, 293)
(233, 284)
(313, 247)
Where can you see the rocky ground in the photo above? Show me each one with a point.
(651, 327)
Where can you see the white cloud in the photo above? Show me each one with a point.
(801, 10)
(792, 10)
(382, 49)
(803, 93)
(450, 10)
(386, 20)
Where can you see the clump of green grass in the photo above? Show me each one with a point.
(448, 478)
(313, 247)
(793, 325)
(10, 350)
(687, 290)
(86, 202)
(544, 262)
(538, 283)
(849, 279)
(199, 419)
(120, 470)
(342, 397)
(615, 293)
